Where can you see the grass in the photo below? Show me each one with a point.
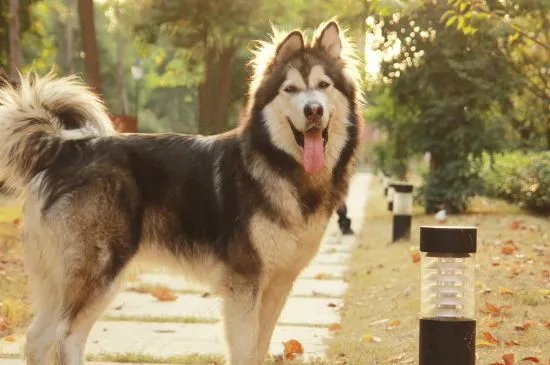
(14, 303)
(162, 319)
(194, 359)
(384, 286)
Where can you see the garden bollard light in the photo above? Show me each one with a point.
(447, 313)
(402, 211)
(391, 192)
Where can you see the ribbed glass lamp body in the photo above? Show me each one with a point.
(448, 286)
(402, 203)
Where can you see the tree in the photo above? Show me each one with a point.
(522, 30)
(450, 83)
(69, 38)
(15, 43)
(89, 43)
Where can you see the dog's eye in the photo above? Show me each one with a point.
(323, 85)
(290, 89)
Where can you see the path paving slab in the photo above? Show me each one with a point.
(298, 310)
(302, 286)
(175, 339)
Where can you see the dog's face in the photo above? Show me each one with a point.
(306, 97)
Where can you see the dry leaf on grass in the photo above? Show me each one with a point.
(511, 343)
(367, 337)
(484, 343)
(489, 337)
(516, 224)
(334, 327)
(393, 325)
(16, 221)
(293, 348)
(396, 358)
(523, 327)
(505, 291)
(164, 294)
(508, 249)
(508, 359)
(494, 310)
(531, 359)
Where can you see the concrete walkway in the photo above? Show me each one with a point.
(139, 324)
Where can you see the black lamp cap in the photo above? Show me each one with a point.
(448, 239)
(402, 187)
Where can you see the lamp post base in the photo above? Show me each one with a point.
(447, 341)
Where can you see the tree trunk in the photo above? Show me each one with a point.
(214, 91)
(120, 72)
(14, 40)
(69, 38)
(89, 43)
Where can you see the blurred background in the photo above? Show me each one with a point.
(454, 87)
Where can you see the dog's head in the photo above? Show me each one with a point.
(307, 95)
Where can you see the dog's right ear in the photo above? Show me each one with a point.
(292, 44)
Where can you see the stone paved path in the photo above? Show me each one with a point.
(138, 323)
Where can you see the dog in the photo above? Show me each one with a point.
(241, 212)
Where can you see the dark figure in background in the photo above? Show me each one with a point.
(343, 221)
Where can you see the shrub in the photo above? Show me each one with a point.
(520, 178)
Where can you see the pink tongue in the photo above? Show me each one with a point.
(314, 156)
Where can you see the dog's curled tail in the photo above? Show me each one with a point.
(37, 116)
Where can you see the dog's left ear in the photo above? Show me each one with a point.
(329, 40)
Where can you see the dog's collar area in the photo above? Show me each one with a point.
(299, 136)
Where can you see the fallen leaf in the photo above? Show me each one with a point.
(489, 337)
(334, 327)
(416, 256)
(508, 359)
(546, 324)
(16, 221)
(320, 276)
(10, 338)
(292, 348)
(531, 358)
(494, 309)
(508, 249)
(523, 327)
(491, 323)
(395, 358)
(505, 291)
(164, 294)
(332, 305)
(367, 337)
(511, 343)
(516, 224)
(483, 343)
(393, 324)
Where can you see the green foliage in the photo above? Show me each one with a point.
(438, 96)
(25, 20)
(522, 178)
(450, 186)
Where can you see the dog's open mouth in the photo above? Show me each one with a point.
(299, 136)
(313, 142)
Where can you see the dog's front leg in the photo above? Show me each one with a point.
(240, 310)
(272, 303)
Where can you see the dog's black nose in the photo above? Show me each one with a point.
(313, 111)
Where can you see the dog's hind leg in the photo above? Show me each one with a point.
(240, 311)
(273, 300)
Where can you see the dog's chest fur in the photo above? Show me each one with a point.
(287, 246)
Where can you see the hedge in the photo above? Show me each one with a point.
(520, 178)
